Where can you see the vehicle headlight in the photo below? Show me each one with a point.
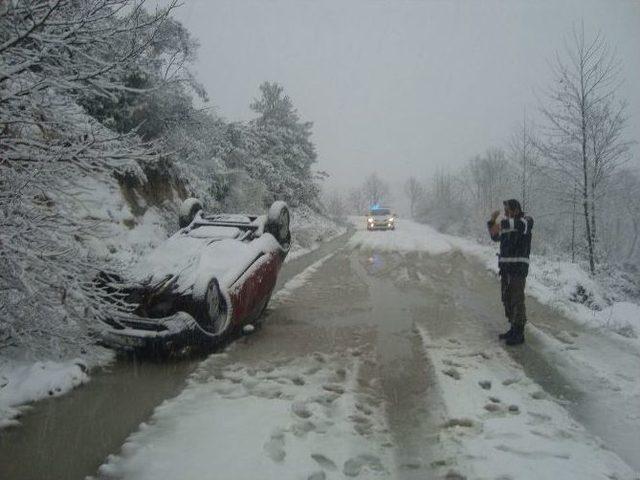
(370, 220)
(391, 220)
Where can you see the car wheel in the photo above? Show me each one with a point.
(188, 210)
(210, 308)
(278, 222)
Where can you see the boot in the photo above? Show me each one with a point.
(507, 334)
(517, 337)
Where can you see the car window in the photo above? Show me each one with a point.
(381, 211)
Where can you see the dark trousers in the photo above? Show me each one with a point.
(512, 286)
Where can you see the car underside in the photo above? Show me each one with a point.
(212, 277)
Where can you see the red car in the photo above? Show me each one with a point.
(215, 275)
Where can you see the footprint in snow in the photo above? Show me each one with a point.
(451, 363)
(334, 388)
(493, 407)
(539, 418)
(362, 425)
(319, 475)
(312, 370)
(324, 462)
(354, 466)
(300, 429)
(453, 373)
(341, 373)
(443, 462)
(458, 422)
(320, 357)
(267, 391)
(412, 464)
(274, 447)
(325, 399)
(324, 426)
(538, 395)
(510, 381)
(485, 384)
(565, 337)
(300, 409)
(364, 409)
(453, 475)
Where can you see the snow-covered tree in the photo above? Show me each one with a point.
(376, 190)
(357, 202)
(415, 193)
(51, 54)
(524, 158)
(584, 134)
(285, 152)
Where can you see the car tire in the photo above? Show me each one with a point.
(209, 308)
(188, 210)
(278, 223)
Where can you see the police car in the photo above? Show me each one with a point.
(381, 218)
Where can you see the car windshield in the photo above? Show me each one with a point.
(380, 211)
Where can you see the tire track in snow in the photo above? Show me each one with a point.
(300, 279)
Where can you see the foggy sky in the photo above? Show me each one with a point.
(400, 87)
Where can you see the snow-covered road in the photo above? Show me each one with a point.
(381, 360)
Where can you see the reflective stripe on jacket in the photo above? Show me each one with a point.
(515, 244)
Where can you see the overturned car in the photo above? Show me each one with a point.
(215, 275)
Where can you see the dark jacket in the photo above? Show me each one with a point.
(515, 244)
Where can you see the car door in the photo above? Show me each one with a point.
(249, 292)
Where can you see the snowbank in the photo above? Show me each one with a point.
(309, 229)
(501, 424)
(119, 237)
(23, 381)
(562, 285)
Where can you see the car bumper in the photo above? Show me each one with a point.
(154, 335)
(380, 226)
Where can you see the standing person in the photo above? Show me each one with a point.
(514, 235)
